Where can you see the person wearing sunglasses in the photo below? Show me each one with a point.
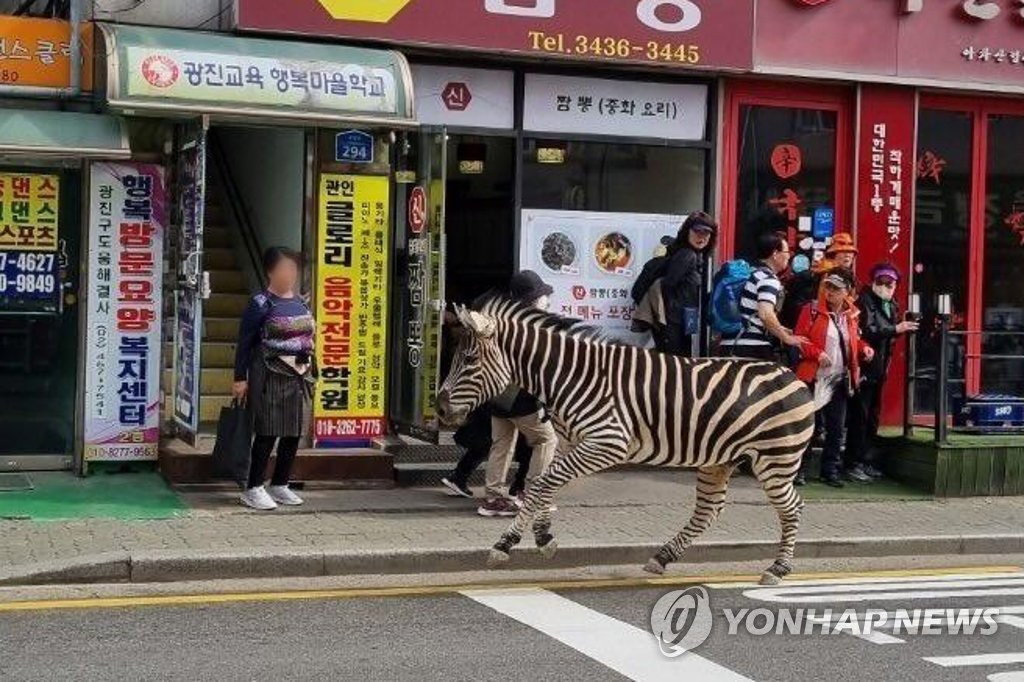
(880, 326)
(830, 362)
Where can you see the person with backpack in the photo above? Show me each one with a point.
(830, 357)
(745, 311)
(682, 283)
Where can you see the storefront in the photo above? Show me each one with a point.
(900, 124)
(576, 158)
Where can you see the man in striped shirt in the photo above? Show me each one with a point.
(759, 304)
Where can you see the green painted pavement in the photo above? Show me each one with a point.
(61, 495)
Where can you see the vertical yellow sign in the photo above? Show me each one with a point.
(28, 212)
(351, 308)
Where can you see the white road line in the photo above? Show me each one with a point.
(1012, 621)
(887, 591)
(620, 646)
(1015, 676)
(797, 583)
(977, 659)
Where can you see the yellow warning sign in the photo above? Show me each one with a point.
(376, 11)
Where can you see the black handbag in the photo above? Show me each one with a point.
(232, 451)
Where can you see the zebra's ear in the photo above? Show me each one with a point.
(481, 325)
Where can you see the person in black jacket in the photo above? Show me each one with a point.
(880, 325)
(682, 284)
(475, 437)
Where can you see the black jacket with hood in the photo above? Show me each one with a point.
(878, 329)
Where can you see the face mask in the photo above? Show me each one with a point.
(542, 303)
(884, 293)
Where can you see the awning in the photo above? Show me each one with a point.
(158, 70)
(62, 134)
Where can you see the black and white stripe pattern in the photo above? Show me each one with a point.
(619, 404)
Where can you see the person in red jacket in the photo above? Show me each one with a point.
(830, 361)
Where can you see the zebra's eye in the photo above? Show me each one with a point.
(472, 355)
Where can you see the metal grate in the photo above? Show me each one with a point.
(15, 482)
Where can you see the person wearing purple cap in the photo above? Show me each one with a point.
(880, 326)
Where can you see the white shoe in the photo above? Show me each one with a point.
(282, 494)
(257, 498)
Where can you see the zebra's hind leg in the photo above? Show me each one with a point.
(712, 484)
(776, 476)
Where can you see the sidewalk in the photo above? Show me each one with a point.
(631, 511)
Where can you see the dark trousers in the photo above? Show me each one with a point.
(474, 457)
(864, 413)
(833, 420)
(677, 342)
(751, 352)
(262, 446)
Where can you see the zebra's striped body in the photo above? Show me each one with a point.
(619, 404)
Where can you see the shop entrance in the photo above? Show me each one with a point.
(39, 295)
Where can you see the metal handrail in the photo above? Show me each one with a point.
(242, 219)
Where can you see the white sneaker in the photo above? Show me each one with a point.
(282, 494)
(257, 498)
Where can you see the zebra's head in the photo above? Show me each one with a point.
(480, 369)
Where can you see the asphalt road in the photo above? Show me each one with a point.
(536, 633)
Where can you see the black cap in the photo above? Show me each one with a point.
(527, 286)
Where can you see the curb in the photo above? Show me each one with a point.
(175, 566)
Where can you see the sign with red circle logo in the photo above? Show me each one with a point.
(456, 96)
(417, 210)
(160, 71)
(579, 292)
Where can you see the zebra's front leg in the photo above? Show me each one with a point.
(583, 460)
(782, 494)
(712, 484)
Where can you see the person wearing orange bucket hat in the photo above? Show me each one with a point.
(842, 252)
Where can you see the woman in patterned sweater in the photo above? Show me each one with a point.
(273, 374)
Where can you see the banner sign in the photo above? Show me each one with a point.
(680, 33)
(592, 106)
(351, 309)
(456, 96)
(29, 234)
(262, 81)
(127, 218)
(188, 304)
(967, 42)
(37, 53)
(592, 259)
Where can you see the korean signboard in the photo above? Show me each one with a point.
(964, 41)
(128, 216)
(592, 259)
(675, 33)
(37, 53)
(592, 106)
(454, 96)
(29, 238)
(219, 78)
(352, 307)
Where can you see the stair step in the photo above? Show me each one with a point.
(221, 330)
(209, 407)
(216, 237)
(214, 355)
(227, 282)
(226, 305)
(211, 381)
(220, 259)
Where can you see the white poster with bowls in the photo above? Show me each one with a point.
(592, 259)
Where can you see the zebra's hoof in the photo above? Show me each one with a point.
(769, 578)
(654, 566)
(497, 558)
(549, 549)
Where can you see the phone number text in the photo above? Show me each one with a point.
(614, 48)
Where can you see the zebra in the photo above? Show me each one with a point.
(618, 404)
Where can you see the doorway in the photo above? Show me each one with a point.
(40, 232)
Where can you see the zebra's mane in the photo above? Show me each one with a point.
(499, 304)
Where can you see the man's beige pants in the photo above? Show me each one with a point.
(539, 435)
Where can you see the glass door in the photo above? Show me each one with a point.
(190, 287)
(40, 232)
(419, 282)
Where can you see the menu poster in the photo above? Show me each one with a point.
(592, 259)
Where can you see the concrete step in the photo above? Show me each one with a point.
(209, 407)
(211, 381)
(220, 259)
(217, 236)
(214, 355)
(220, 330)
(228, 282)
(226, 305)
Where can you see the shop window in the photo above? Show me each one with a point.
(1004, 257)
(787, 170)
(941, 236)
(615, 178)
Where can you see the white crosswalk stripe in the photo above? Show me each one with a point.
(892, 589)
(620, 646)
